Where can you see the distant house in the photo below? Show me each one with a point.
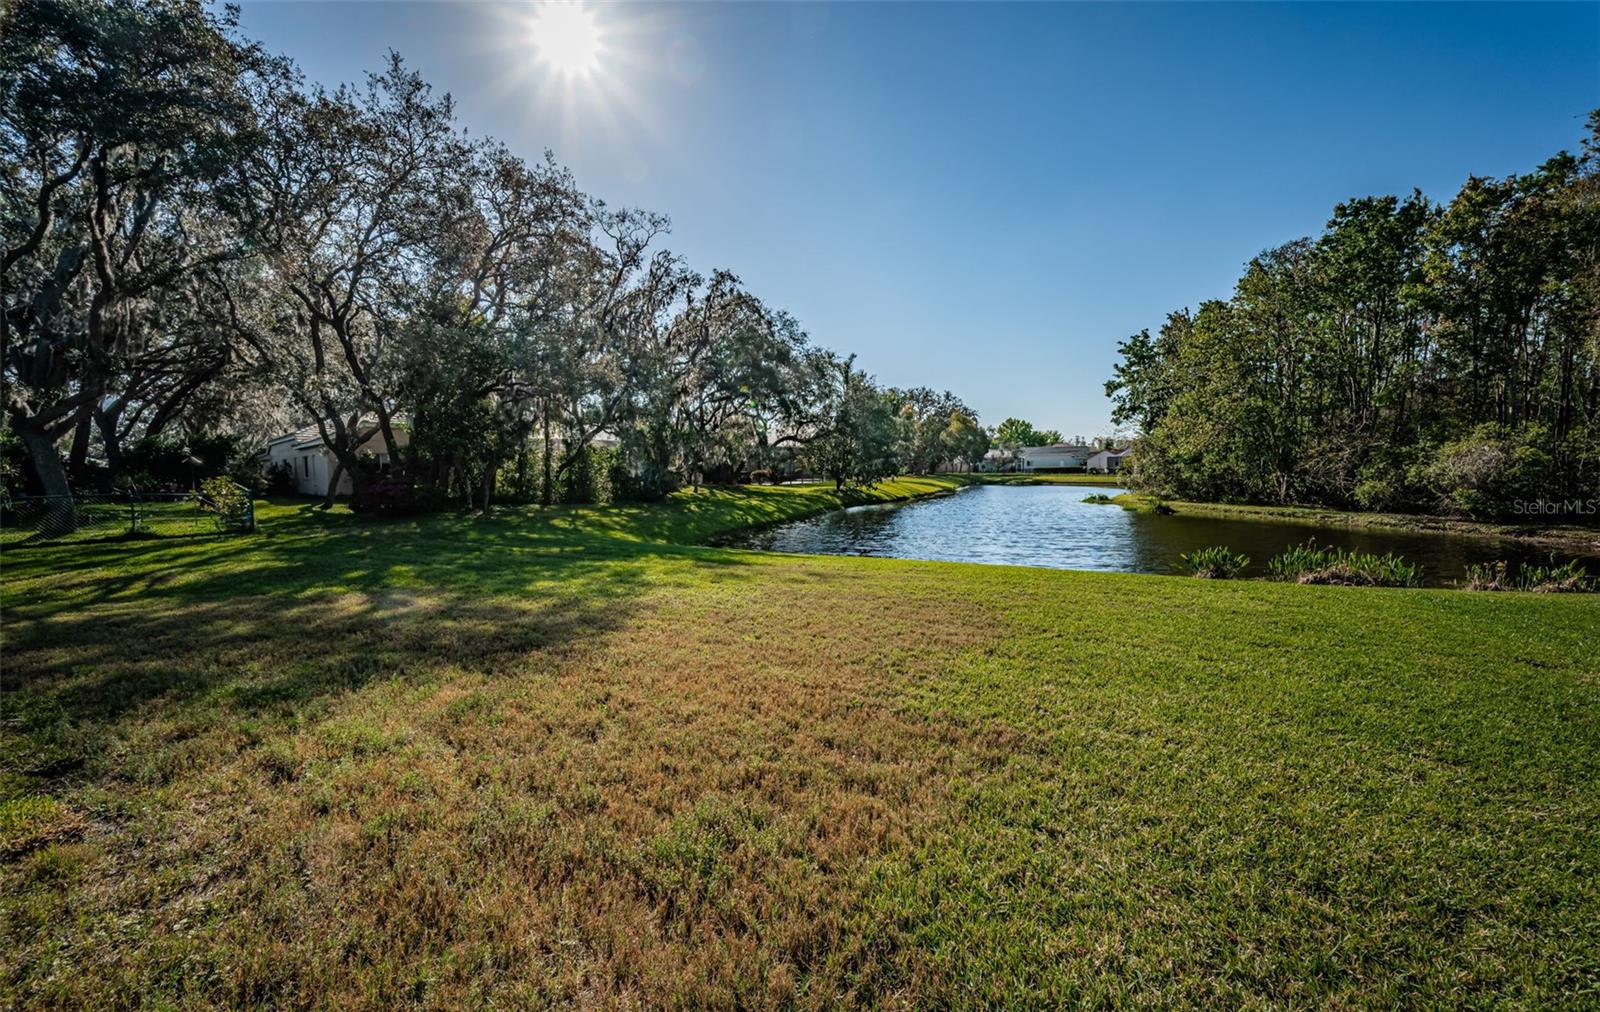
(313, 461)
(1107, 461)
(1056, 457)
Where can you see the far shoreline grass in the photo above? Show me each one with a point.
(1583, 540)
(1036, 478)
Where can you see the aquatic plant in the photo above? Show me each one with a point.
(1564, 578)
(1309, 564)
(1218, 562)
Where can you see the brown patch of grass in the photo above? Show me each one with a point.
(383, 799)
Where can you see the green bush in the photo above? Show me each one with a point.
(624, 485)
(162, 462)
(596, 476)
(1309, 564)
(521, 476)
(226, 501)
(13, 462)
(1484, 473)
(280, 479)
(395, 495)
(1394, 481)
(1215, 563)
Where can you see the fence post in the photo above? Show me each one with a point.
(133, 515)
(250, 509)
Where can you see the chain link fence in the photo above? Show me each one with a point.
(101, 516)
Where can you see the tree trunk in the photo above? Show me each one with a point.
(333, 484)
(60, 514)
(44, 458)
(386, 426)
(106, 422)
(80, 444)
(547, 488)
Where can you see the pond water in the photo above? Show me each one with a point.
(1051, 526)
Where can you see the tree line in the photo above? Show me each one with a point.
(197, 241)
(1414, 356)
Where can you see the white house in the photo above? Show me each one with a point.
(313, 460)
(1056, 457)
(1107, 461)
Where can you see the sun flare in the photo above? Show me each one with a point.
(566, 37)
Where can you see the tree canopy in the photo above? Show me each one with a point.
(1014, 432)
(196, 241)
(1412, 356)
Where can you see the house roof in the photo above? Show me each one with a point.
(297, 435)
(309, 437)
(1060, 448)
(305, 437)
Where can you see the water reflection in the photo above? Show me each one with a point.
(1051, 526)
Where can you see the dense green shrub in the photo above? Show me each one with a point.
(279, 479)
(1485, 472)
(521, 477)
(597, 475)
(1395, 481)
(1215, 563)
(628, 484)
(577, 483)
(156, 463)
(394, 495)
(13, 462)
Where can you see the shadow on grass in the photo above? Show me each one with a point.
(252, 660)
(101, 639)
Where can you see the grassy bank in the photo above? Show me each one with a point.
(567, 757)
(1575, 539)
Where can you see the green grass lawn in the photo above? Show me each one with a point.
(566, 757)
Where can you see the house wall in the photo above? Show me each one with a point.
(1039, 458)
(374, 446)
(310, 470)
(1105, 463)
(314, 465)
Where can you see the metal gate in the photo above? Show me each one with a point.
(101, 516)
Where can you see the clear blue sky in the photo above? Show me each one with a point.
(987, 198)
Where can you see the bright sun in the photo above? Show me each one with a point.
(566, 37)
